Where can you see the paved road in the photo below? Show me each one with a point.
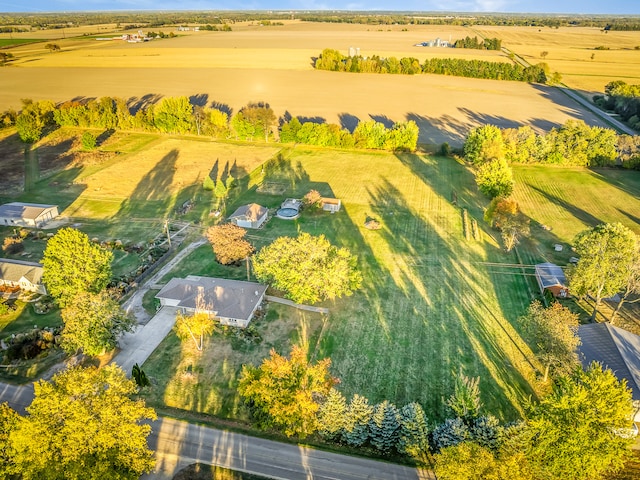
(178, 444)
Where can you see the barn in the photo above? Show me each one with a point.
(34, 215)
(551, 278)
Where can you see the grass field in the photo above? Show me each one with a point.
(428, 307)
(573, 199)
(274, 65)
(9, 42)
(572, 52)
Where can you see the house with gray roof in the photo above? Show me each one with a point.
(24, 275)
(250, 216)
(616, 349)
(550, 277)
(232, 302)
(20, 214)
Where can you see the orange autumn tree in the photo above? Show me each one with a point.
(285, 392)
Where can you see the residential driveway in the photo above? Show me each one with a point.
(136, 347)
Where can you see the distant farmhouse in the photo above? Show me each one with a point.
(249, 216)
(26, 276)
(232, 302)
(438, 42)
(35, 215)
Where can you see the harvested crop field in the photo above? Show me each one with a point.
(273, 64)
(587, 58)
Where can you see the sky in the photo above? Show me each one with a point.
(618, 7)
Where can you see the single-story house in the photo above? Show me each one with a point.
(551, 277)
(249, 216)
(330, 204)
(233, 302)
(21, 214)
(25, 275)
(616, 349)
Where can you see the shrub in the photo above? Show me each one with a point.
(88, 141)
(12, 245)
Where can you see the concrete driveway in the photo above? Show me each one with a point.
(136, 347)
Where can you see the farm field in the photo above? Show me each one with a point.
(570, 51)
(274, 64)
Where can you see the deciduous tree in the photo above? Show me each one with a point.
(606, 254)
(33, 119)
(554, 333)
(92, 323)
(484, 144)
(581, 431)
(284, 391)
(195, 326)
(83, 424)
(73, 264)
(173, 115)
(228, 243)
(307, 268)
(495, 178)
(631, 287)
(505, 215)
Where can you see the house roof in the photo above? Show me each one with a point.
(252, 212)
(14, 270)
(550, 275)
(223, 298)
(614, 348)
(19, 210)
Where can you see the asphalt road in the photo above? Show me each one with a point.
(178, 444)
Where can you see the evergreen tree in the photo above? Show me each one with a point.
(332, 415)
(208, 183)
(487, 431)
(413, 438)
(450, 433)
(384, 427)
(356, 430)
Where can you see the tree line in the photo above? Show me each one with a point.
(574, 143)
(333, 60)
(622, 98)
(486, 44)
(177, 115)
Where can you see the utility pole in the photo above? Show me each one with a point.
(166, 227)
(248, 270)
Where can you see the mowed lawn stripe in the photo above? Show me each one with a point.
(428, 309)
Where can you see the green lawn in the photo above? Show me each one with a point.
(25, 318)
(429, 306)
(7, 42)
(571, 199)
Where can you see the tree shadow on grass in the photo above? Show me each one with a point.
(453, 306)
(577, 212)
(348, 121)
(151, 196)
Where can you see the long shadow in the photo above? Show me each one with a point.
(630, 216)
(383, 119)
(348, 121)
(577, 212)
(137, 103)
(150, 195)
(451, 298)
(199, 99)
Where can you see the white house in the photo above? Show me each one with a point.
(19, 214)
(249, 216)
(232, 302)
(25, 275)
